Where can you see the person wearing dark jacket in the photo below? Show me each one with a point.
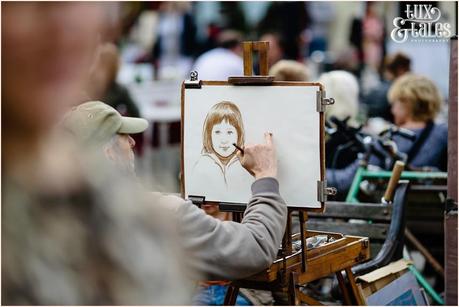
(415, 102)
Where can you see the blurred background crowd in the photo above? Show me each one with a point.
(345, 45)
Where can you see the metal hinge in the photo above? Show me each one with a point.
(322, 102)
(197, 200)
(193, 82)
(323, 191)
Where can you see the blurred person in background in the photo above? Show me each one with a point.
(211, 41)
(322, 14)
(232, 16)
(276, 47)
(224, 61)
(102, 85)
(344, 88)
(395, 65)
(68, 237)
(347, 60)
(415, 103)
(367, 36)
(372, 37)
(289, 19)
(288, 70)
(218, 250)
(176, 37)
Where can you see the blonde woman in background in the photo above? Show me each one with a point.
(416, 103)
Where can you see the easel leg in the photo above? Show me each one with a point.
(308, 300)
(231, 295)
(296, 297)
(292, 287)
(304, 248)
(343, 288)
(354, 289)
(287, 239)
(237, 216)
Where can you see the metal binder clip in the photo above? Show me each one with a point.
(322, 102)
(323, 191)
(194, 75)
(193, 82)
(197, 200)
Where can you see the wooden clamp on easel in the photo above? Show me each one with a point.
(293, 269)
(249, 78)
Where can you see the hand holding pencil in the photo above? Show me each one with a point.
(259, 159)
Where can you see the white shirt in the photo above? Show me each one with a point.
(218, 182)
(218, 64)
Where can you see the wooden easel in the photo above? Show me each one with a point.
(292, 269)
(249, 78)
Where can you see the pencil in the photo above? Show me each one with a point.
(238, 148)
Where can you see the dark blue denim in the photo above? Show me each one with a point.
(215, 296)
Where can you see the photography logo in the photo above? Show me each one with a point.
(420, 25)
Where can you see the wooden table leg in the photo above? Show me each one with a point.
(231, 295)
(354, 289)
(343, 288)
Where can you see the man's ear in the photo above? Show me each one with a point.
(108, 151)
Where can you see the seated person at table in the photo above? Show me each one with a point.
(415, 102)
(216, 249)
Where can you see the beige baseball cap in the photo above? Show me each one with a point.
(97, 122)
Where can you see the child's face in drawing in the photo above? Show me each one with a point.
(223, 136)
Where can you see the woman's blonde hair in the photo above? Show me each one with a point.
(419, 94)
(289, 70)
(222, 111)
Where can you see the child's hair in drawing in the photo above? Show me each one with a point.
(222, 111)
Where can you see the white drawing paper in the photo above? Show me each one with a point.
(215, 117)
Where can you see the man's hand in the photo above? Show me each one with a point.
(260, 160)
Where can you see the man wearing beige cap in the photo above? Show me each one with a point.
(95, 123)
(219, 250)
